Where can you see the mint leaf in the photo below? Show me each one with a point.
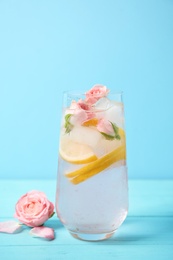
(52, 215)
(116, 133)
(108, 137)
(118, 137)
(115, 128)
(68, 126)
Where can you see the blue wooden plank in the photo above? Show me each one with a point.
(71, 252)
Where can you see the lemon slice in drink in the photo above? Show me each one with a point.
(74, 152)
(91, 122)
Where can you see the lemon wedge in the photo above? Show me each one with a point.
(74, 152)
(91, 122)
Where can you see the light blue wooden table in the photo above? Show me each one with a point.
(147, 233)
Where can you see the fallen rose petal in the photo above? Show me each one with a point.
(43, 232)
(10, 227)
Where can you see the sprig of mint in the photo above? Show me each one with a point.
(116, 133)
(68, 126)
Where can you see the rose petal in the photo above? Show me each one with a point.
(43, 232)
(79, 116)
(10, 227)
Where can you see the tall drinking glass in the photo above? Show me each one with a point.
(92, 183)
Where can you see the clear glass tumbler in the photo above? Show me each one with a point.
(92, 183)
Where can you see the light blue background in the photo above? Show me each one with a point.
(50, 46)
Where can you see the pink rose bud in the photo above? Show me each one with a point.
(81, 112)
(95, 93)
(105, 126)
(78, 117)
(33, 209)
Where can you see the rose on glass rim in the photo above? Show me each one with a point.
(33, 209)
(95, 93)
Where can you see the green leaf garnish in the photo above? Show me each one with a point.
(108, 137)
(52, 215)
(68, 126)
(116, 133)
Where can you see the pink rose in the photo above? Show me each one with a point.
(95, 93)
(105, 126)
(81, 112)
(83, 105)
(33, 209)
(78, 117)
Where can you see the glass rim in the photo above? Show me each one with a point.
(76, 95)
(82, 93)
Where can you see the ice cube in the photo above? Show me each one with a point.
(114, 114)
(85, 135)
(103, 104)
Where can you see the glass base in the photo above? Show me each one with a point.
(92, 237)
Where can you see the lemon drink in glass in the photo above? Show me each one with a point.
(92, 184)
